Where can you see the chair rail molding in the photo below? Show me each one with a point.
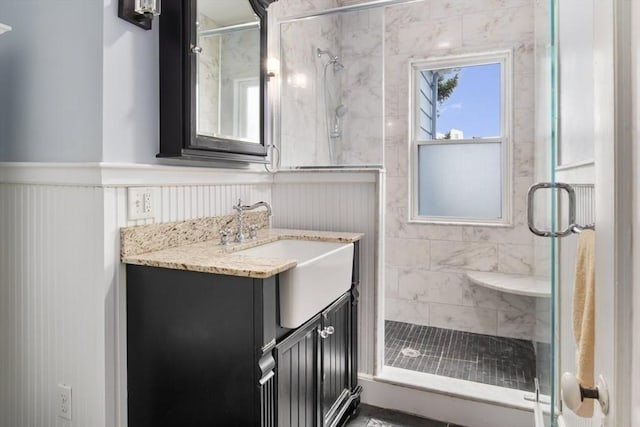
(124, 174)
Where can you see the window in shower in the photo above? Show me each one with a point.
(461, 139)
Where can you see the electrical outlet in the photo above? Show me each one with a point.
(140, 202)
(64, 401)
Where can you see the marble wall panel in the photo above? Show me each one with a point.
(542, 331)
(406, 14)
(498, 26)
(421, 40)
(520, 188)
(397, 192)
(440, 9)
(408, 252)
(401, 310)
(430, 286)
(460, 256)
(515, 235)
(391, 282)
(515, 259)
(516, 324)
(286, 8)
(523, 160)
(470, 319)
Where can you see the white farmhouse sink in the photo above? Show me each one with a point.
(323, 274)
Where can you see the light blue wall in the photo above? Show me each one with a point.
(131, 90)
(51, 81)
(77, 84)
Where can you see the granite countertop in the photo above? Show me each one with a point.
(211, 257)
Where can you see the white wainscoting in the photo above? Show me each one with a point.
(52, 296)
(338, 201)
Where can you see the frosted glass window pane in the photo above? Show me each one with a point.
(460, 180)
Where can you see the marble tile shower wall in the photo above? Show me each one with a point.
(357, 38)
(303, 128)
(425, 264)
(361, 39)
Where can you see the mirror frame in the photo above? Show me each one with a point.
(178, 76)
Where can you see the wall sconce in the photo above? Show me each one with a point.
(4, 28)
(139, 12)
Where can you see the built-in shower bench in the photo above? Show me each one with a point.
(518, 284)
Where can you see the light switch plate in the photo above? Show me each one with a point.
(140, 203)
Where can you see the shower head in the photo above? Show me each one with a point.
(333, 59)
(331, 56)
(341, 110)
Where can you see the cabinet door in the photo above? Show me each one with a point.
(298, 372)
(336, 358)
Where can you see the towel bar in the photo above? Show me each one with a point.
(573, 226)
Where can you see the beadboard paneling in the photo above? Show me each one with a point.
(51, 297)
(179, 203)
(338, 206)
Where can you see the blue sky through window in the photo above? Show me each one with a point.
(474, 105)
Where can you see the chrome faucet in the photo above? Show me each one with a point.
(241, 208)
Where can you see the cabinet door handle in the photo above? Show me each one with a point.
(324, 333)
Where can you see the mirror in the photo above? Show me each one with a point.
(213, 80)
(228, 76)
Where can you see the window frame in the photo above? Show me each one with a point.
(502, 57)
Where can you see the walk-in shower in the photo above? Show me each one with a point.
(450, 318)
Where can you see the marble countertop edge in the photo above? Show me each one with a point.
(211, 257)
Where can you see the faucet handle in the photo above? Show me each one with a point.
(253, 231)
(224, 236)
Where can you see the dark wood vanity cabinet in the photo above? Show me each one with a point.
(314, 368)
(206, 350)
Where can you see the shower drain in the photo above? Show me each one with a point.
(410, 352)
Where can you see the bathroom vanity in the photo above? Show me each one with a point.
(208, 347)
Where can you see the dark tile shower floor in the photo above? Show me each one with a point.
(487, 359)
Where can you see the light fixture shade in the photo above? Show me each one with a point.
(147, 6)
(4, 28)
(139, 12)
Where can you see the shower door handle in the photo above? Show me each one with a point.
(531, 208)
